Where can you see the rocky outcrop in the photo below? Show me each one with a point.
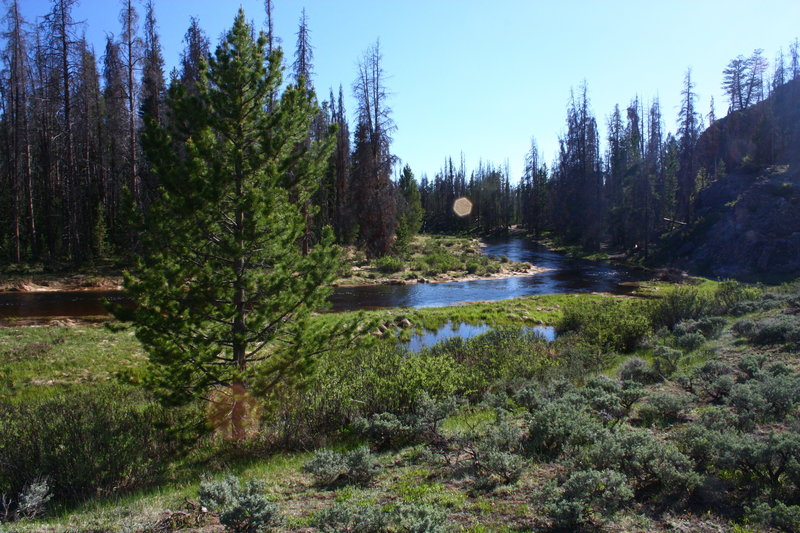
(745, 227)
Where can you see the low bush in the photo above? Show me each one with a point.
(356, 517)
(689, 341)
(777, 515)
(712, 381)
(752, 363)
(663, 409)
(389, 264)
(709, 327)
(612, 325)
(729, 294)
(765, 398)
(657, 470)
(330, 468)
(772, 330)
(559, 426)
(494, 467)
(638, 370)
(32, 501)
(85, 442)
(666, 361)
(586, 499)
(680, 303)
(242, 507)
(610, 400)
(439, 262)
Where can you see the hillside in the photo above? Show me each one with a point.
(747, 224)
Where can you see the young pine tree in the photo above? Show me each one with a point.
(222, 293)
(409, 207)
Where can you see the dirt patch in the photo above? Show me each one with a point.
(63, 284)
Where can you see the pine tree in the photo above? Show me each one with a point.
(688, 133)
(409, 207)
(222, 292)
(372, 187)
(153, 93)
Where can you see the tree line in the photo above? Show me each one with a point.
(642, 185)
(73, 175)
(72, 169)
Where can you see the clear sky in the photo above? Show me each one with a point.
(484, 76)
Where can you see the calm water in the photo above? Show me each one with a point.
(429, 338)
(566, 275)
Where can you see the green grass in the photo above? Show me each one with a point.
(433, 257)
(35, 359)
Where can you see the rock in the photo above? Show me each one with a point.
(406, 323)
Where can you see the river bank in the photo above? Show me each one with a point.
(83, 295)
(427, 259)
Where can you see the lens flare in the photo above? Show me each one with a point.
(462, 206)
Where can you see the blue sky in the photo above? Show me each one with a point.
(482, 76)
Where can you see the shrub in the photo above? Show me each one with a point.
(242, 507)
(709, 327)
(689, 341)
(712, 381)
(764, 303)
(494, 467)
(361, 466)
(778, 515)
(730, 293)
(663, 409)
(680, 303)
(586, 497)
(766, 398)
(772, 330)
(610, 400)
(388, 264)
(613, 325)
(329, 467)
(85, 442)
(638, 370)
(439, 262)
(657, 470)
(766, 462)
(326, 467)
(354, 517)
(497, 355)
(666, 361)
(34, 498)
(560, 426)
(752, 363)
(387, 430)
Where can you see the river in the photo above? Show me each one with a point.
(565, 275)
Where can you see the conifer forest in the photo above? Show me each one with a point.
(228, 302)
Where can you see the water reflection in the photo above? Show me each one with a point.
(565, 275)
(430, 338)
